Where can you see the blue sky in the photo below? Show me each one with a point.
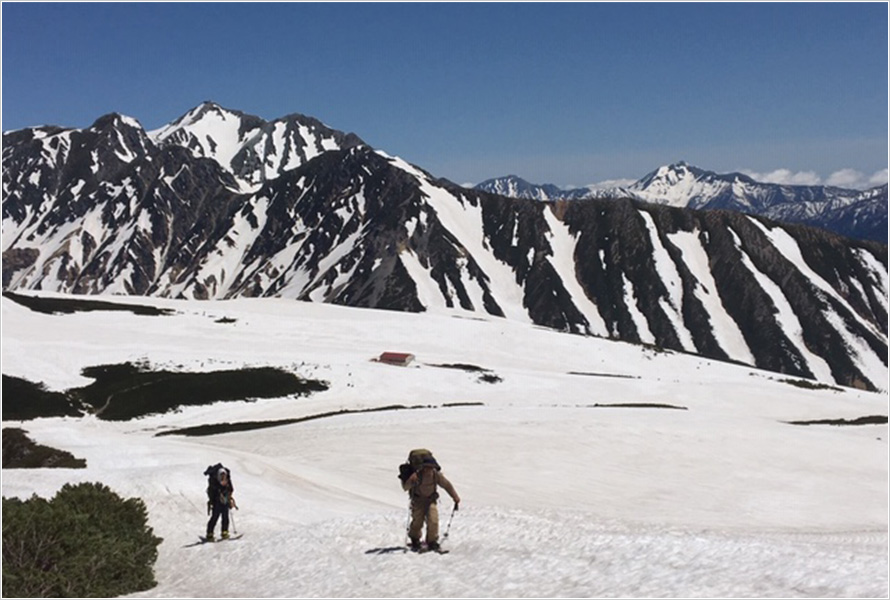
(566, 93)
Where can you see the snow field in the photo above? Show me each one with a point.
(560, 498)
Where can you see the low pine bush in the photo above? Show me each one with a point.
(85, 542)
(21, 452)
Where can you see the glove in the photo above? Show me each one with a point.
(456, 505)
(209, 506)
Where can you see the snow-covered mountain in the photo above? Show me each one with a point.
(195, 210)
(514, 186)
(852, 213)
(250, 148)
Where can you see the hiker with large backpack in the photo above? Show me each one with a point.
(219, 499)
(421, 477)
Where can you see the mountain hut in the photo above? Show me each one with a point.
(400, 359)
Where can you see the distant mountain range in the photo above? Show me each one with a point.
(853, 213)
(219, 204)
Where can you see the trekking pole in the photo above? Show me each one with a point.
(232, 514)
(448, 528)
(408, 523)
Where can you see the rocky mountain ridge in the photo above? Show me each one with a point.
(860, 214)
(195, 210)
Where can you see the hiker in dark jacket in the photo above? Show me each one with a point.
(422, 486)
(219, 500)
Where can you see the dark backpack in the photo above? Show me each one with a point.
(212, 470)
(417, 459)
(212, 480)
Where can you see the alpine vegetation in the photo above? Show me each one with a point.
(85, 542)
(21, 452)
(219, 205)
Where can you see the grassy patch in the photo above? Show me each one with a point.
(24, 400)
(870, 420)
(52, 306)
(21, 452)
(128, 391)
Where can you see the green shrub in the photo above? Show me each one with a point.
(128, 391)
(24, 400)
(85, 542)
(21, 452)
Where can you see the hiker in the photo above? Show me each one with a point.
(219, 499)
(422, 485)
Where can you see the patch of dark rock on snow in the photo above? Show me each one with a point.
(615, 375)
(485, 375)
(217, 428)
(870, 420)
(69, 306)
(637, 405)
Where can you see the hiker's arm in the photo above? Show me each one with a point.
(443, 481)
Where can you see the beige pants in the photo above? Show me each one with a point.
(424, 510)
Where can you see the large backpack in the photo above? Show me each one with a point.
(417, 458)
(212, 474)
(212, 470)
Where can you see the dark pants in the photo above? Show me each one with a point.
(218, 510)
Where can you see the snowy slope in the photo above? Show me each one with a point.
(561, 498)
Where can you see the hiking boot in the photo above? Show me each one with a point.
(225, 535)
(415, 544)
(432, 545)
(210, 537)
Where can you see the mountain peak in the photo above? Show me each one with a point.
(208, 109)
(679, 165)
(517, 187)
(251, 148)
(115, 119)
(685, 168)
(669, 176)
(507, 178)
